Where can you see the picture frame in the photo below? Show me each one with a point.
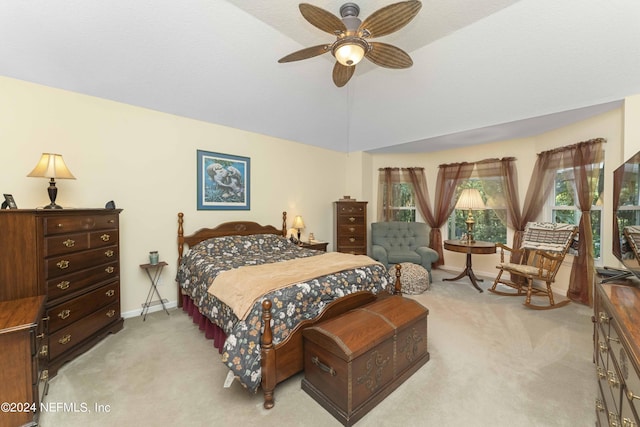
(9, 202)
(224, 181)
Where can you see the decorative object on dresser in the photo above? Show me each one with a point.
(617, 353)
(470, 200)
(72, 257)
(353, 361)
(51, 166)
(9, 202)
(23, 378)
(350, 226)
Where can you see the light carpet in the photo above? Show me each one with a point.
(493, 363)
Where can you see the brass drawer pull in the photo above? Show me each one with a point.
(109, 269)
(603, 317)
(111, 313)
(44, 350)
(631, 395)
(352, 229)
(40, 336)
(109, 253)
(110, 293)
(65, 339)
(44, 376)
(62, 264)
(69, 243)
(628, 422)
(59, 225)
(612, 379)
(352, 239)
(63, 285)
(111, 221)
(352, 219)
(323, 367)
(601, 374)
(64, 314)
(105, 237)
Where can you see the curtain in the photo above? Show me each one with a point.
(585, 159)
(449, 177)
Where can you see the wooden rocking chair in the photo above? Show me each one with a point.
(543, 249)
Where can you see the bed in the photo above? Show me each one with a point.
(265, 357)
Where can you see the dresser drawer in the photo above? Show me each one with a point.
(66, 285)
(351, 209)
(65, 264)
(67, 338)
(351, 240)
(64, 244)
(350, 221)
(70, 224)
(65, 314)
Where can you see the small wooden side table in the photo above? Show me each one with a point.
(157, 270)
(318, 246)
(469, 248)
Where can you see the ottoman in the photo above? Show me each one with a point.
(414, 278)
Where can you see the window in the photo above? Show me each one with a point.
(563, 209)
(403, 207)
(488, 225)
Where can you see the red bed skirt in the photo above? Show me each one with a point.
(211, 331)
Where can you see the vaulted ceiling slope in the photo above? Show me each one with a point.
(484, 70)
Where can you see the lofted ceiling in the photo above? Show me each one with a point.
(484, 70)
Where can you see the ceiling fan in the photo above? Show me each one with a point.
(352, 43)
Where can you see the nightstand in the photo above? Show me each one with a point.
(318, 246)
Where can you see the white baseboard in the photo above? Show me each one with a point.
(152, 309)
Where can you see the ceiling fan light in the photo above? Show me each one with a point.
(349, 54)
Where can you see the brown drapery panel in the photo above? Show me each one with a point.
(449, 177)
(585, 158)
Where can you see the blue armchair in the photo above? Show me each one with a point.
(394, 242)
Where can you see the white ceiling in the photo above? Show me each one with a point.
(484, 70)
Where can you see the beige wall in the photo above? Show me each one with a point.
(146, 162)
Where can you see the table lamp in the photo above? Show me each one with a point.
(51, 166)
(298, 224)
(470, 199)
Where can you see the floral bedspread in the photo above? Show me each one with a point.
(291, 305)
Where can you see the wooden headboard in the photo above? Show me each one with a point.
(233, 228)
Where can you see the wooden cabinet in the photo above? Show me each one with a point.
(617, 354)
(72, 257)
(351, 227)
(23, 379)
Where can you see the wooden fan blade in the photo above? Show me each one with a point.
(388, 56)
(306, 53)
(342, 73)
(320, 18)
(390, 18)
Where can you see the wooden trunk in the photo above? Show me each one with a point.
(352, 362)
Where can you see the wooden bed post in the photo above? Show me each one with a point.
(397, 290)
(180, 250)
(284, 224)
(268, 357)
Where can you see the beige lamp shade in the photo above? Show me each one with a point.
(51, 166)
(470, 199)
(298, 223)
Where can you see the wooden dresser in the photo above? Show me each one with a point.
(72, 257)
(23, 379)
(617, 354)
(351, 227)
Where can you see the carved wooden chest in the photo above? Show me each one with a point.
(353, 361)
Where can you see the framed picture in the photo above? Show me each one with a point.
(9, 202)
(223, 181)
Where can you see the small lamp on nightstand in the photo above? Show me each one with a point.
(52, 166)
(298, 224)
(470, 199)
